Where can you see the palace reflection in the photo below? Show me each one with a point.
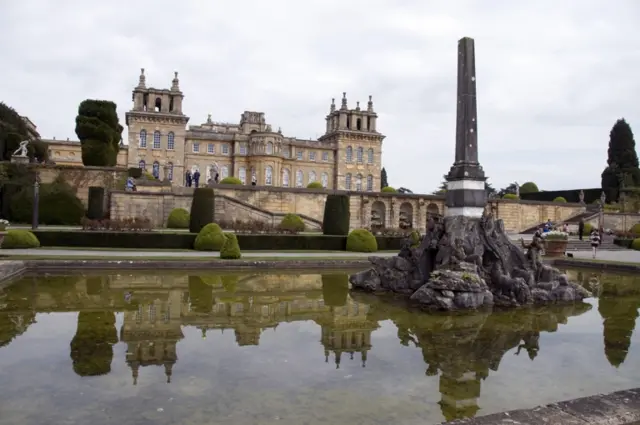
(460, 350)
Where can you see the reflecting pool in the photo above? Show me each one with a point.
(145, 348)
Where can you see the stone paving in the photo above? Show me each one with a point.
(625, 256)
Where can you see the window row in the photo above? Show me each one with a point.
(311, 178)
(211, 148)
(311, 155)
(360, 155)
(157, 140)
(155, 169)
(358, 182)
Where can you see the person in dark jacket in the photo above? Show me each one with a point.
(580, 228)
(188, 178)
(196, 178)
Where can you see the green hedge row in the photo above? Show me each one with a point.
(624, 242)
(158, 240)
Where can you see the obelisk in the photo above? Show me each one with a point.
(466, 194)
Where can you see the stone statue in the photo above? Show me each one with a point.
(581, 196)
(215, 168)
(517, 190)
(22, 149)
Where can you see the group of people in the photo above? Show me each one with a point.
(594, 237)
(193, 179)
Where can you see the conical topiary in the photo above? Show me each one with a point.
(231, 249)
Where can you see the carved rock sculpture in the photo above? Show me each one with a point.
(468, 263)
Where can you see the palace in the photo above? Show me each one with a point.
(346, 157)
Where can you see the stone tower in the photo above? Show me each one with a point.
(157, 129)
(357, 146)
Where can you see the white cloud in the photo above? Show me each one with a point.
(552, 76)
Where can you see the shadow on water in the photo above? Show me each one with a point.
(127, 323)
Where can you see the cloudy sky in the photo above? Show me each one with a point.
(553, 76)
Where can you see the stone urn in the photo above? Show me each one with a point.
(555, 247)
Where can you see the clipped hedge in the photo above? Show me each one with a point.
(635, 229)
(95, 210)
(315, 185)
(559, 199)
(178, 219)
(292, 223)
(58, 205)
(20, 239)
(624, 242)
(202, 208)
(361, 240)
(510, 196)
(335, 220)
(586, 231)
(635, 244)
(230, 249)
(415, 238)
(231, 180)
(210, 238)
(388, 189)
(167, 240)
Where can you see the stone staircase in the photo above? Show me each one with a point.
(584, 245)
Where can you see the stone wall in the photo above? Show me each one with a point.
(616, 221)
(269, 204)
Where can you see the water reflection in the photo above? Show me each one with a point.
(155, 314)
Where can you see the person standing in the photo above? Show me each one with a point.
(196, 178)
(595, 241)
(188, 178)
(580, 228)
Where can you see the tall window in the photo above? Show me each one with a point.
(242, 175)
(224, 172)
(349, 154)
(370, 156)
(269, 148)
(171, 142)
(142, 164)
(196, 147)
(325, 156)
(243, 149)
(324, 180)
(299, 155)
(211, 148)
(225, 149)
(156, 169)
(156, 140)
(312, 156)
(312, 176)
(359, 154)
(359, 182)
(299, 178)
(347, 181)
(285, 177)
(369, 183)
(170, 174)
(268, 175)
(286, 152)
(143, 138)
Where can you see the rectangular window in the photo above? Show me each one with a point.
(287, 152)
(299, 155)
(225, 149)
(312, 156)
(211, 148)
(243, 149)
(196, 147)
(325, 156)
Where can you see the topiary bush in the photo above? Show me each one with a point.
(635, 229)
(559, 199)
(95, 210)
(315, 185)
(388, 189)
(231, 249)
(415, 238)
(202, 208)
(636, 244)
(529, 187)
(335, 289)
(586, 231)
(336, 215)
(178, 219)
(230, 180)
(20, 239)
(291, 223)
(361, 240)
(134, 172)
(510, 196)
(58, 204)
(210, 238)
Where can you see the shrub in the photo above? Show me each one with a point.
(415, 239)
(635, 229)
(361, 240)
(559, 199)
(230, 250)
(134, 172)
(137, 224)
(588, 227)
(529, 187)
(336, 215)
(230, 180)
(178, 219)
(99, 132)
(315, 185)
(210, 238)
(58, 204)
(510, 196)
(20, 239)
(202, 207)
(335, 288)
(388, 189)
(95, 211)
(636, 244)
(291, 223)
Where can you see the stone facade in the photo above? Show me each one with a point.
(347, 157)
(269, 204)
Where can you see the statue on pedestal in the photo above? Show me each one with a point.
(22, 149)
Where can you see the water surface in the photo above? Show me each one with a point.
(294, 349)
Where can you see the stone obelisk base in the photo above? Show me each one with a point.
(18, 159)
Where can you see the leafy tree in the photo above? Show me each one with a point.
(509, 189)
(383, 178)
(99, 131)
(404, 190)
(13, 130)
(491, 192)
(622, 161)
(529, 187)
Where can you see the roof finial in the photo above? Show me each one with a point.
(357, 105)
(344, 100)
(175, 83)
(333, 104)
(142, 80)
(209, 119)
(370, 104)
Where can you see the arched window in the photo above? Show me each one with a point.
(156, 140)
(349, 154)
(370, 156)
(268, 174)
(359, 182)
(170, 173)
(285, 177)
(299, 178)
(347, 181)
(324, 180)
(156, 169)
(269, 148)
(224, 172)
(143, 138)
(242, 175)
(312, 176)
(158, 105)
(171, 142)
(358, 124)
(369, 183)
(142, 164)
(359, 155)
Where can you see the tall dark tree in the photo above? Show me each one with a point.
(99, 131)
(383, 178)
(92, 345)
(622, 161)
(491, 192)
(511, 188)
(13, 130)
